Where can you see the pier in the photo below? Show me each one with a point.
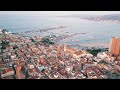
(42, 30)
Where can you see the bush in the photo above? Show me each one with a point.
(15, 47)
(4, 30)
(32, 40)
(4, 44)
(94, 52)
(46, 40)
(3, 47)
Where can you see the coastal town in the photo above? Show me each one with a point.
(23, 57)
(109, 18)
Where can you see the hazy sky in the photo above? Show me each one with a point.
(56, 13)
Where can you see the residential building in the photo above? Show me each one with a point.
(7, 72)
(114, 47)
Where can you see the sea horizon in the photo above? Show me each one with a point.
(95, 31)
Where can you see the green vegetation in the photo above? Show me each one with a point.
(32, 40)
(5, 44)
(94, 52)
(14, 76)
(15, 47)
(47, 40)
(3, 47)
(4, 30)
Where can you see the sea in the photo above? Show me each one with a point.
(91, 31)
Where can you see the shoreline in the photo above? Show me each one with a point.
(92, 45)
(97, 44)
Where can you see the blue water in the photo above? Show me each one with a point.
(95, 31)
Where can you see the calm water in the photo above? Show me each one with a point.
(95, 31)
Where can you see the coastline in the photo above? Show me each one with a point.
(100, 45)
(97, 44)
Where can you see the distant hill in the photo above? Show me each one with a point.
(112, 16)
(94, 17)
(79, 16)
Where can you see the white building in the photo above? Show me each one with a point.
(69, 68)
(0, 31)
(30, 66)
(97, 59)
(13, 56)
(7, 73)
(110, 59)
(8, 32)
(102, 55)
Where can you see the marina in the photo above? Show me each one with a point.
(87, 32)
(53, 47)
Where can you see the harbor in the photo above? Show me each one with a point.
(74, 46)
(66, 37)
(31, 58)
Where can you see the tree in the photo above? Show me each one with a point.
(32, 40)
(46, 40)
(4, 44)
(94, 51)
(3, 47)
(15, 47)
(4, 30)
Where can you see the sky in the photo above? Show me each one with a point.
(57, 13)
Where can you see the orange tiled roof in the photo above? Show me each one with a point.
(79, 53)
(6, 70)
(19, 75)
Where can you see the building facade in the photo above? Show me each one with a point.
(114, 47)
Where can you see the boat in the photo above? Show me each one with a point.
(83, 33)
(62, 26)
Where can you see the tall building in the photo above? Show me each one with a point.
(19, 75)
(114, 47)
